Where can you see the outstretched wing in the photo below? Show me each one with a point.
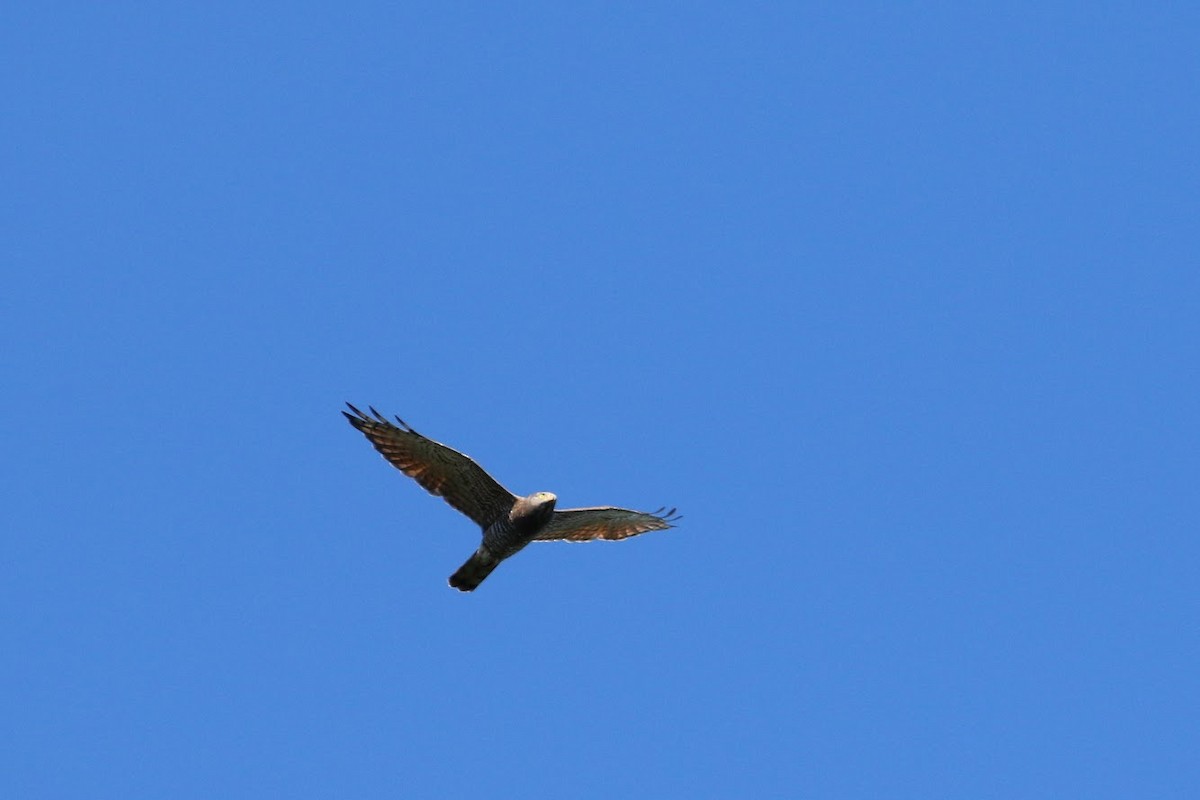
(440, 470)
(607, 522)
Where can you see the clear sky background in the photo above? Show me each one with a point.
(898, 303)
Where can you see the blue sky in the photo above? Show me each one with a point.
(897, 303)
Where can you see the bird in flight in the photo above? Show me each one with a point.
(508, 522)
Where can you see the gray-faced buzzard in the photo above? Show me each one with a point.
(508, 522)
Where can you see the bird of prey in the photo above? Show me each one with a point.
(508, 522)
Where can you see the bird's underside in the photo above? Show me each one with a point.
(508, 522)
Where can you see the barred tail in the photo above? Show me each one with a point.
(472, 573)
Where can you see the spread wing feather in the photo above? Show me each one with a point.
(441, 470)
(606, 522)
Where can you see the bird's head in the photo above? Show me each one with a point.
(539, 505)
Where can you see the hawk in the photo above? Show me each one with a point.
(508, 522)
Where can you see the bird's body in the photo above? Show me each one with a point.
(505, 538)
(509, 522)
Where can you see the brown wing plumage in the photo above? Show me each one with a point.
(441, 470)
(607, 522)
